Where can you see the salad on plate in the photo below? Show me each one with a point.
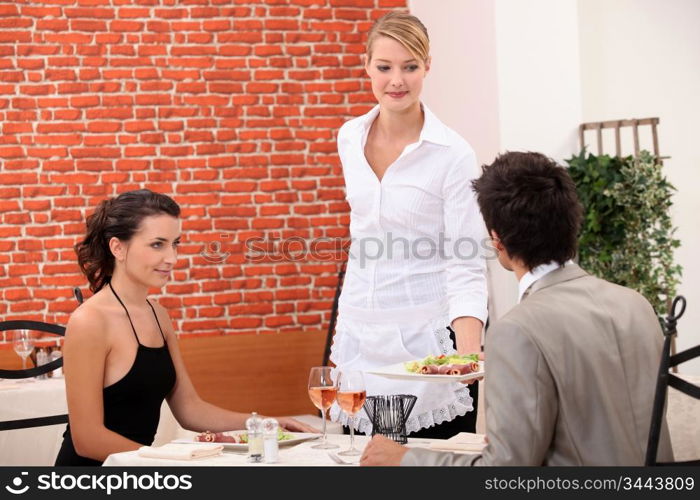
(452, 364)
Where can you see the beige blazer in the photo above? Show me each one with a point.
(570, 378)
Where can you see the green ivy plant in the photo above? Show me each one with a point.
(627, 235)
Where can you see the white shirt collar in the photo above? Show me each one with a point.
(534, 275)
(433, 129)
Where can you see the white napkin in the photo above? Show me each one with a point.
(9, 385)
(464, 441)
(174, 451)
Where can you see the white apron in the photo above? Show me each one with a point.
(369, 339)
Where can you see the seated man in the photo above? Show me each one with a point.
(571, 370)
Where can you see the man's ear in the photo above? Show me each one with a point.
(497, 244)
(118, 248)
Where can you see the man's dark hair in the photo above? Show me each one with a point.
(531, 203)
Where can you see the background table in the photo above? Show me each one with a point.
(37, 445)
(42, 398)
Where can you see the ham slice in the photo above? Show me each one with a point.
(218, 437)
(429, 369)
(463, 369)
(205, 437)
(444, 369)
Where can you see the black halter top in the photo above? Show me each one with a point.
(132, 404)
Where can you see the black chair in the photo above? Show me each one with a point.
(331, 324)
(334, 315)
(78, 294)
(32, 372)
(666, 379)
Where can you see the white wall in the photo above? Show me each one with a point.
(505, 73)
(641, 58)
(538, 75)
(461, 87)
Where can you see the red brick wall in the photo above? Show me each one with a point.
(229, 106)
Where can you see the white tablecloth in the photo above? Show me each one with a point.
(37, 445)
(299, 455)
(43, 398)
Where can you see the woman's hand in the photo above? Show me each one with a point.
(294, 425)
(468, 338)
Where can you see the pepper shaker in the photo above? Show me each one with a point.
(255, 438)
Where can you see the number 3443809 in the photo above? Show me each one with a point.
(659, 483)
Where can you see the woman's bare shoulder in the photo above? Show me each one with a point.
(88, 322)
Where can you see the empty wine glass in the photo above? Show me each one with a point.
(322, 391)
(23, 344)
(351, 396)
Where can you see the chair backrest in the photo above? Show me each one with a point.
(666, 379)
(334, 315)
(32, 372)
(38, 326)
(78, 294)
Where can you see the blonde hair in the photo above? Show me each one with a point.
(405, 29)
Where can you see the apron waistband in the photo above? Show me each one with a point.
(420, 312)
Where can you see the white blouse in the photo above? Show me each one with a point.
(417, 236)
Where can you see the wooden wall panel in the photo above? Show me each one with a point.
(263, 373)
(9, 359)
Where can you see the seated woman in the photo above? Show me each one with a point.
(121, 355)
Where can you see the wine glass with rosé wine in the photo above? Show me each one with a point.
(322, 391)
(351, 396)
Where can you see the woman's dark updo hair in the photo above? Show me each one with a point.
(117, 218)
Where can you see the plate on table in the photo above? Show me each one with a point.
(399, 372)
(294, 438)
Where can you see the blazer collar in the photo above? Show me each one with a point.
(567, 272)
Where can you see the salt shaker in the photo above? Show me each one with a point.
(255, 438)
(270, 427)
(56, 354)
(41, 359)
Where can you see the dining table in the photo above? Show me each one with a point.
(39, 446)
(298, 455)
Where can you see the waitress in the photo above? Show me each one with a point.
(416, 264)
